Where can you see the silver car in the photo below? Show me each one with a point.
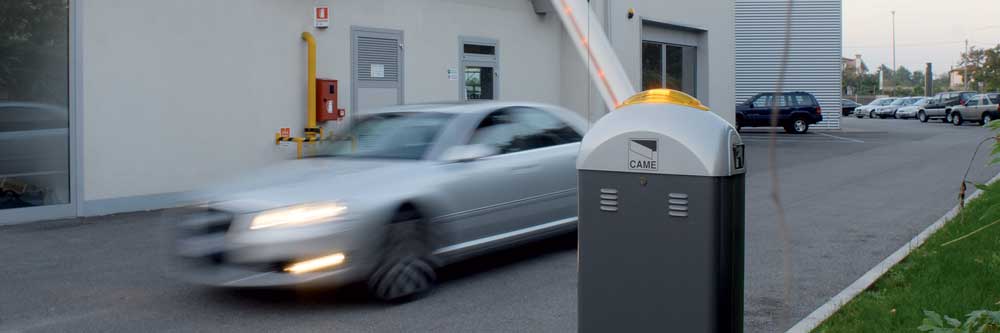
(403, 191)
(869, 109)
(980, 108)
(889, 111)
(910, 111)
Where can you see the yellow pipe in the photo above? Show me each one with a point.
(311, 108)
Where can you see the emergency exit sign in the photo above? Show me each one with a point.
(321, 17)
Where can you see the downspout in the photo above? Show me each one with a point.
(311, 101)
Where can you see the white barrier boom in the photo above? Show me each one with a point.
(594, 48)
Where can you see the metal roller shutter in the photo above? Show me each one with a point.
(813, 58)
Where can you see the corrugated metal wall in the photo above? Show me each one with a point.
(813, 58)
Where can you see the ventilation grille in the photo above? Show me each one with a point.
(678, 204)
(609, 200)
(378, 51)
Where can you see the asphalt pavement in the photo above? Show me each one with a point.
(850, 199)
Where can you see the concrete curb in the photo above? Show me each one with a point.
(824, 312)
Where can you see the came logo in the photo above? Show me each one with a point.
(642, 154)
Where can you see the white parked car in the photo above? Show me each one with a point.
(889, 111)
(869, 109)
(910, 111)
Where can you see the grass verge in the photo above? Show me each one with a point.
(948, 274)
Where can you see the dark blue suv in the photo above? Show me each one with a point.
(797, 111)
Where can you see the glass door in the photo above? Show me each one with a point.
(34, 107)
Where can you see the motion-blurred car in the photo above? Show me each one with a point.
(868, 110)
(889, 111)
(982, 109)
(910, 111)
(847, 106)
(34, 153)
(405, 190)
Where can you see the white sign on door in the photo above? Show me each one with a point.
(378, 70)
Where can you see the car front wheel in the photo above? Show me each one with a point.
(956, 119)
(405, 270)
(871, 114)
(986, 119)
(922, 117)
(947, 118)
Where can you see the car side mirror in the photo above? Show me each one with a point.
(468, 153)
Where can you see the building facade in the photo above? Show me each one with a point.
(164, 97)
(813, 59)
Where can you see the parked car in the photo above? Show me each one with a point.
(941, 104)
(847, 106)
(869, 109)
(797, 110)
(404, 190)
(889, 111)
(981, 108)
(910, 111)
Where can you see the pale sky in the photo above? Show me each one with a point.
(926, 30)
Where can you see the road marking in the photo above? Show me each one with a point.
(840, 137)
(824, 312)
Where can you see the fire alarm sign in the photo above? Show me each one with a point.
(321, 17)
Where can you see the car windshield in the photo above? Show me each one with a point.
(900, 102)
(921, 101)
(389, 135)
(882, 101)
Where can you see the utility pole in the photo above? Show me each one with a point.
(965, 66)
(928, 81)
(894, 41)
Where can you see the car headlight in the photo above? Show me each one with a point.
(300, 215)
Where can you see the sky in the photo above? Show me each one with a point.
(926, 30)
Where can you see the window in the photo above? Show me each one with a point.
(519, 129)
(766, 101)
(803, 100)
(668, 66)
(390, 135)
(973, 102)
(479, 49)
(35, 112)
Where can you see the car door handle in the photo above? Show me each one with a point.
(525, 168)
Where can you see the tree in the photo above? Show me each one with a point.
(34, 48)
(988, 72)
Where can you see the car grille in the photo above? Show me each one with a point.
(200, 234)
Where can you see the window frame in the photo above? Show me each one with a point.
(478, 60)
(542, 111)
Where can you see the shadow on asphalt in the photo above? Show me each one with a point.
(355, 296)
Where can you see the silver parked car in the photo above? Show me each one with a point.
(869, 109)
(889, 111)
(982, 109)
(404, 190)
(910, 111)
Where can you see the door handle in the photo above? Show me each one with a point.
(525, 168)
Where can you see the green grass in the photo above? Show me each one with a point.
(952, 280)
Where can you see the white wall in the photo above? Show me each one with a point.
(714, 17)
(176, 94)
